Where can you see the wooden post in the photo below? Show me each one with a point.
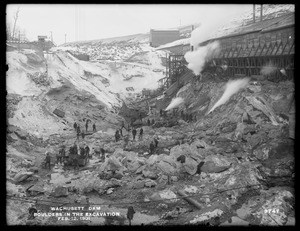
(253, 13)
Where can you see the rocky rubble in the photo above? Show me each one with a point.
(237, 163)
(40, 79)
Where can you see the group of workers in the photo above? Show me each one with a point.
(77, 151)
(78, 130)
(63, 156)
(119, 133)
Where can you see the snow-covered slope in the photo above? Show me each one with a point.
(61, 65)
(128, 63)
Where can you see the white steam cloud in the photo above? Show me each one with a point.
(232, 87)
(268, 69)
(175, 103)
(212, 24)
(196, 59)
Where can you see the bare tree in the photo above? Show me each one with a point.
(15, 21)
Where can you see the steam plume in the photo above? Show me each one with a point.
(175, 103)
(196, 59)
(268, 69)
(232, 87)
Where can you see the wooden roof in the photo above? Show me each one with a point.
(286, 20)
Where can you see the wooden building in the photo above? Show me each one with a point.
(161, 37)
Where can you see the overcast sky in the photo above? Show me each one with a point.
(88, 22)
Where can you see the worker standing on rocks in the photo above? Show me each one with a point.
(58, 157)
(87, 150)
(78, 132)
(102, 151)
(86, 125)
(155, 139)
(126, 140)
(134, 133)
(82, 151)
(62, 153)
(141, 134)
(66, 158)
(117, 136)
(130, 213)
(141, 117)
(151, 147)
(94, 127)
(75, 126)
(48, 160)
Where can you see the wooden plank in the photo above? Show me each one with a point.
(189, 200)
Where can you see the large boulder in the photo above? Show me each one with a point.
(60, 191)
(112, 164)
(215, 164)
(59, 179)
(35, 190)
(152, 160)
(133, 166)
(150, 174)
(21, 134)
(190, 166)
(166, 168)
(21, 176)
(189, 151)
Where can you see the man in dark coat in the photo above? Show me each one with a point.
(58, 157)
(75, 126)
(82, 151)
(130, 213)
(48, 160)
(102, 151)
(141, 134)
(117, 136)
(87, 150)
(155, 142)
(134, 133)
(86, 125)
(62, 153)
(94, 127)
(151, 147)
